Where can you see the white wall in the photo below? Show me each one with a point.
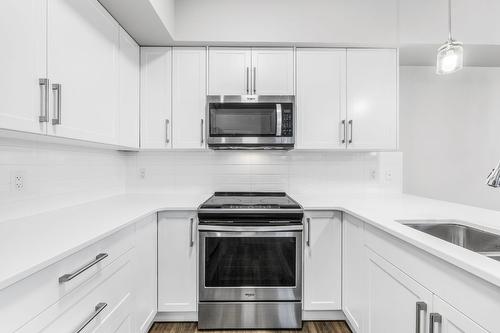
(426, 21)
(450, 135)
(353, 22)
(296, 172)
(56, 176)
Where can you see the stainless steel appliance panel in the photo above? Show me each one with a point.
(250, 315)
(281, 290)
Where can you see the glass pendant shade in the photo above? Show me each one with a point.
(450, 57)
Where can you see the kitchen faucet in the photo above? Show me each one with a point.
(494, 177)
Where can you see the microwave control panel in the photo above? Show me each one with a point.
(287, 122)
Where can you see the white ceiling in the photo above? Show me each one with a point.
(416, 26)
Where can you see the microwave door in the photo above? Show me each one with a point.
(244, 120)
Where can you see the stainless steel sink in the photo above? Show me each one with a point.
(473, 239)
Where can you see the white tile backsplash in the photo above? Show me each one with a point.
(56, 176)
(304, 172)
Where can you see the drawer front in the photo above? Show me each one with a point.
(96, 306)
(27, 298)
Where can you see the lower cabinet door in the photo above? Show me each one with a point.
(354, 279)
(450, 320)
(393, 299)
(322, 261)
(145, 273)
(177, 253)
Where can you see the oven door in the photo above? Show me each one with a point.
(250, 265)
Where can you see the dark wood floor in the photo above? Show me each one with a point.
(309, 327)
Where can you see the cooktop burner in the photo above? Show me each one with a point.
(250, 200)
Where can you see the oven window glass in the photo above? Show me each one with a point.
(242, 119)
(250, 261)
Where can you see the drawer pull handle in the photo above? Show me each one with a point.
(98, 309)
(71, 276)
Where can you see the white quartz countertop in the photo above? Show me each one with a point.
(30, 244)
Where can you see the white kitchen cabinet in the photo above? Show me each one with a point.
(101, 303)
(321, 96)
(188, 97)
(129, 91)
(145, 273)
(260, 71)
(354, 277)
(372, 99)
(322, 261)
(23, 62)
(83, 48)
(452, 321)
(272, 71)
(393, 297)
(177, 262)
(156, 97)
(229, 71)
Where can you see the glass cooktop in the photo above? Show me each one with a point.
(249, 200)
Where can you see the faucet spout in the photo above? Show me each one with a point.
(494, 177)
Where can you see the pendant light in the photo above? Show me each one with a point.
(450, 56)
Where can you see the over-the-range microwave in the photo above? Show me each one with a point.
(251, 122)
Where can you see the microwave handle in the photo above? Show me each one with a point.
(279, 119)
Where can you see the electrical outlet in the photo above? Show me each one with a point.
(18, 181)
(142, 173)
(373, 174)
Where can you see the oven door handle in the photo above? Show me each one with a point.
(250, 229)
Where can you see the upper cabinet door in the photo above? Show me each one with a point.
(83, 47)
(321, 89)
(188, 97)
(229, 71)
(22, 64)
(129, 91)
(156, 97)
(323, 261)
(372, 99)
(272, 71)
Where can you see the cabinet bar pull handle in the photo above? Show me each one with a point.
(71, 276)
(435, 318)
(255, 80)
(167, 124)
(56, 89)
(248, 80)
(98, 309)
(342, 125)
(421, 307)
(308, 241)
(44, 100)
(350, 132)
(202, 132)
(191, 223)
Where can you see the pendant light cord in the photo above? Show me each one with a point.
(449, 20)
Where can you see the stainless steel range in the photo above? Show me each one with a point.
(250, 261)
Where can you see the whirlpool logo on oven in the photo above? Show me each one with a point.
(249, 294)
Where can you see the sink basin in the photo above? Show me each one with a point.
(473, 239)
